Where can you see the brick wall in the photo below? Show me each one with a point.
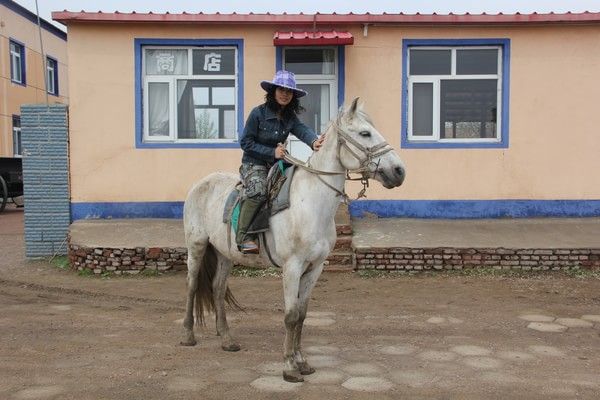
(411, 259)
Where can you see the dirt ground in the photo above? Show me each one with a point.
(65, 336)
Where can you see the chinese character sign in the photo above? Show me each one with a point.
(214, 61)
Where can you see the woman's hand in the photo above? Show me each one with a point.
(279, 151)
(318, 143)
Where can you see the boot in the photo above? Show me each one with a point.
(248, 210)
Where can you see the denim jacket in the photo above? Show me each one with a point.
(264, 130)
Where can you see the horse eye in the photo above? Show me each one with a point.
(365, 134)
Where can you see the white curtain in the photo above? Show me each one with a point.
(158, 105)
(166, 62)
(328, 62)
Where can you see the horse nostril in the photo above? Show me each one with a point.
(399, 171)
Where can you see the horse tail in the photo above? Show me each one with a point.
(204, 299)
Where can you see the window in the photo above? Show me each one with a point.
(316, 72)
(17, 62)
(190, 93)
(52, 75)
(456, 93)
(16, 129)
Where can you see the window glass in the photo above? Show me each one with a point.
(158, 109)
(16, 62)
(310, 61)
(202, 107)
(473, 62)
(17, 147)
(316, 104)
(430, 62)
(166, 62)
(51, 77)
(454, 94)
(191, 93)
(213, 62)
(422, 109)
(468, 108)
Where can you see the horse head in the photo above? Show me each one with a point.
(364, 150)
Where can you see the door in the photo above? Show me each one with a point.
(316, 72)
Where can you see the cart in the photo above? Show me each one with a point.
(11, 181)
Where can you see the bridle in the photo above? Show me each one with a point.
(366, 167)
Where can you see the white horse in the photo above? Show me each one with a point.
(300, 238)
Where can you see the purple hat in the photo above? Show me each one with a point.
(285, 79)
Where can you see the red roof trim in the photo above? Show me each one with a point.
(318, 38)
(303, 19)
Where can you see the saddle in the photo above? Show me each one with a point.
(279, 181)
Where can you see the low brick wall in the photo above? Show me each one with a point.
(124, 260)
(412, 259)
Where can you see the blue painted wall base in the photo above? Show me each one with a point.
(452, 209)
(456, 209)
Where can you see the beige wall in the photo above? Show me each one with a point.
(14, 26)
(554, 149)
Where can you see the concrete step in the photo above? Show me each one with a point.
(338, 268)
(340, 257)
(343, 243)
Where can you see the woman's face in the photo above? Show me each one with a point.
(283, 96)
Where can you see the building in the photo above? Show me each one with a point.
(494, 115)
(22, 69)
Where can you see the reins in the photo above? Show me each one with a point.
(364, 170)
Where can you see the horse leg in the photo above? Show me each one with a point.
(291, 283)
(307, 283)
(195, 254)
(219, 290)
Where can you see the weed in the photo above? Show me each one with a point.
(249, 272)
(485, 272)
(86, 272)
(61, 262)
(147, 272)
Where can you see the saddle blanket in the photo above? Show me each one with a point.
(278, 182)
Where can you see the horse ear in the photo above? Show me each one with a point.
(353, 107)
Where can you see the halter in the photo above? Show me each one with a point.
(365, 163)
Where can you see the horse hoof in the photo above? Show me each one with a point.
(231, 347)
(305, 369)
(188, 343)
(293, 376)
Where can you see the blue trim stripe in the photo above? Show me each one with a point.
(450, 209)
(504, 43)
(278, 58)
(139, 98)
(156, 209)
(457, 209)
(341, 75)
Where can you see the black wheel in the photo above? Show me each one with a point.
(3, 193)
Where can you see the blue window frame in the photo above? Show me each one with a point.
(188, 93)
(455, 93)
(17, 62)
(52, 75)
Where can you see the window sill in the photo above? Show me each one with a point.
(24, 84)
(179, 145)
(454, 145)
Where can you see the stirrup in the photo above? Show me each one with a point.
(249, 248)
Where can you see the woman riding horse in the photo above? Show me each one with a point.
(267, 128)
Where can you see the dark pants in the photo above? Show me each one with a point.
(254, 194)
